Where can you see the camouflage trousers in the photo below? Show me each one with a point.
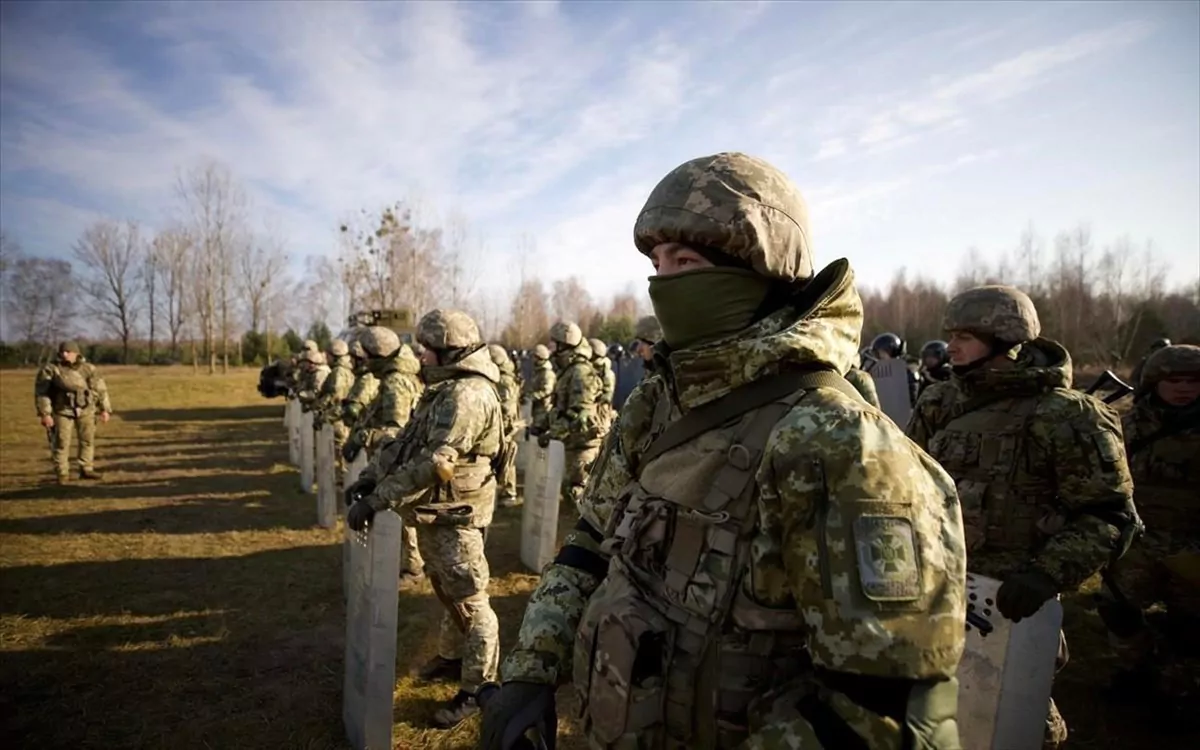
(340, 434)
(506, 487)
(577, 466)
(65, 428)
(458, 570)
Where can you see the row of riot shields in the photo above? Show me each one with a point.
(313, 452)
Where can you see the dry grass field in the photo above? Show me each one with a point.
(188, 600)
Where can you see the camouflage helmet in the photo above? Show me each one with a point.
(599, 348)
(339, 348)
(541, 352)
(736, 204)
(68, 346)
(356, 349)
(648, 329)
(379, 342)
(315, 357)
(498, 354)
(1178, 359)
(566, 333)
(447, 329)
(1003, 312)
(309, 346)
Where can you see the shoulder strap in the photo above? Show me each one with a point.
(740, 400)
(1164, 432)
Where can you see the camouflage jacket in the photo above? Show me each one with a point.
(1040, 468)
(608, 378)
(1166, 470)
(70, 390)
(310, 385)
(830, 460)
(574, 419)
(335, 388)
(390, 410)
(539, 391)
(510, 399)
(864, 384)
(361, 394)
(457, 424)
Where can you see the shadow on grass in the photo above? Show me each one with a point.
(267, 410)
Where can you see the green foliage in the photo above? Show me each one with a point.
(293, 342)
(617, 330)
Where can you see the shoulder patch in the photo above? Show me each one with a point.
(887, 558)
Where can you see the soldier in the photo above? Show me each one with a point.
(761, 561)
(1162, 439)
(1154, 346)
(935, 364)
(539, 391)
(296, 369)
(328, 405)
(507, 497)
(887, 346)
(440, 471)
(1041, 472)
(608, 379)
(574, 419)
(313, 372)
(395, 368)
(68, 393)
(648, 333)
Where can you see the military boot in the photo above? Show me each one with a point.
(63, 478)
(90, 474)
(510, 502)
(440, 669)
(457, 710)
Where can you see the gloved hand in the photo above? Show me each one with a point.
(543, 440)
(350, 451)
(1023, 594)
(358, 490)
(507, 713)
(359, 516)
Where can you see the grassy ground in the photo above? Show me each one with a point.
(188, 601)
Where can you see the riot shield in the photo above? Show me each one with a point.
(356, 467)
(327, 489)
(891, 381)
(1005, 675)
(372, 598)
(539, 520)
(522, 438)
(293, 428)
(307, 452)
(629, 373)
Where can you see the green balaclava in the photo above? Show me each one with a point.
(698, 307)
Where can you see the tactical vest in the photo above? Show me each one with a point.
(74, 391)
(468, 497)
(985, 450)
(1166, 475)
(671, 651)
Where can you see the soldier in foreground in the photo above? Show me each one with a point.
(539, 391)
(1162, 439)
(711, 595)
(608, 382)
(1136, 377)
(439, 470)
(573, 420)
(506, 494)
(328, 405)
(935, 364)
(68, 395)
(1045, 490)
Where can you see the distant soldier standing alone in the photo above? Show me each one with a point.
(68, 394)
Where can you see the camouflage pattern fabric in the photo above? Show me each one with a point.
(575, 420)
(823, 462)
(510, 403)
(311, 380)
(539, 391)
(328, 409)
(399, 389)
(73, 395)
(1003, 312)
(864, 384)
(458, 425)
(366, 385)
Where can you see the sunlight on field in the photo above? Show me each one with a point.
(188, 600)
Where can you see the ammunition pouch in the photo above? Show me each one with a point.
(466, 500)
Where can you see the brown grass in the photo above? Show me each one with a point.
(188, 601)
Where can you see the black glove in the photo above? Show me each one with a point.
(1023, 594)
(359, 516)
(543, 440)
(350, 451)
(359, 490)
(511, 710)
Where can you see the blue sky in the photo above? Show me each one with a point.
(914, 130)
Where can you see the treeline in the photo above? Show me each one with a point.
(1104, 303)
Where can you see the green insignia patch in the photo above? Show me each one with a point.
(888, 567)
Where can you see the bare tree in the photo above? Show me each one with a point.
(111, 255)
(260, 271)
(39, 298)
(172, 252)
(572, 301)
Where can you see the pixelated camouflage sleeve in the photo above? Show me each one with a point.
(1081, 438)
(863, 534)
(460, 419)
(926, 418)
(100, 389)
(541, 385)
(42, 386)
(864, 384)
(333, 391)
(578, 393)
(397, 397)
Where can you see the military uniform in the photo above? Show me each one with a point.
(1041, 473)
(648, 333)
(762, 560)
(865, 385)
(1163, 444)
(439, 472)
(72, 395)
(510, 396)
(608, 381)
(539, 391)
(574, 420)
(328, 404)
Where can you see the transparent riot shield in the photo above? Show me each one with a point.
(371, 603)
(891, 381)
(293, 428)
(307, 452)
(327, 489)
(539, 520)
(1006, 672)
